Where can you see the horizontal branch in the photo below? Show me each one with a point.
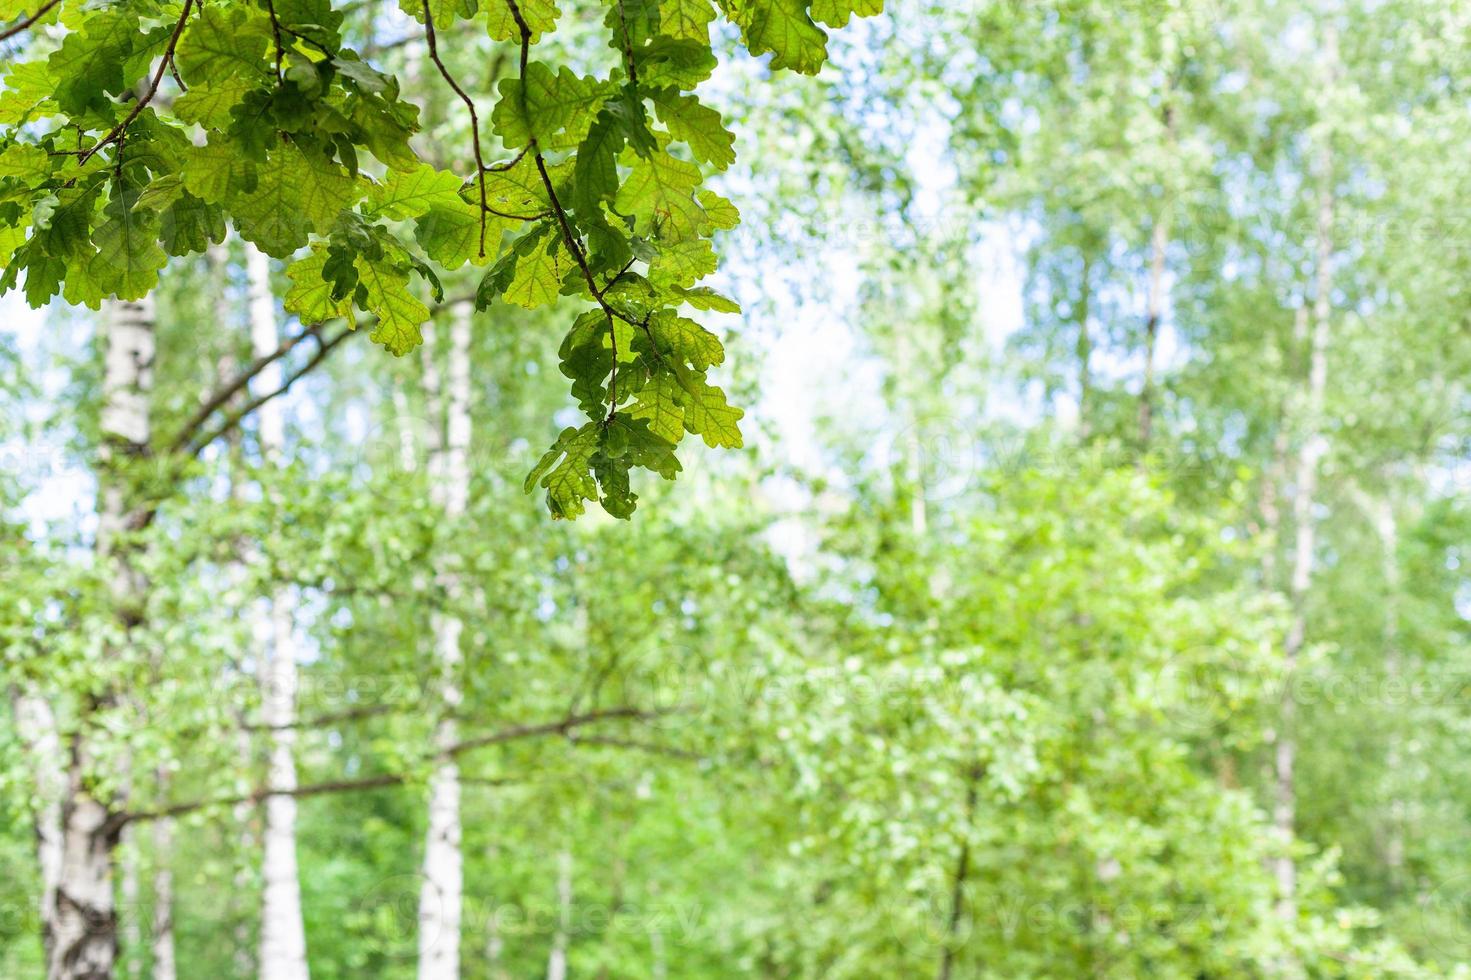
(609, 741)
(230, 388)
(562, 726)
(235, 418)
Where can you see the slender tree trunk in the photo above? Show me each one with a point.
(659, 968)
(440, 896)
(1309, 456)
(1159, 241)
(957, 884)
(164, 965)
(557, 959)
(81, 922)
(1155, 299)
(1380, 512)
(35, 725)
(130, 892)
(283, 936)
(1085, 349)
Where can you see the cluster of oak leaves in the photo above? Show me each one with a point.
(153, 125)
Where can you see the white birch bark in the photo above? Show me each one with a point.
(441, 894)
(35, 724)
(557, 959)
(1313, 447)
(164, 965)
(283, 936)
(80, 923)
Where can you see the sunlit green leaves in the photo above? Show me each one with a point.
(540, 17)
(92, 63)
(783, 28)
(128, 254)
(555, 109)
(530, 274)
(564, 471)
(697, 125)
(686, 20)
(265, 120)
(659, 193)
(685, 340)
(294, 195)
(224, 44)
(387, 296)
(409, 194)
(310, 294)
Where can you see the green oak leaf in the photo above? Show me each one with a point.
(783, 28)
(408, 194)
(836, 13)
(686, 20)
(209, 103)
(564, 471)
(557, 111)
(696, 125)
(310, 294)
(387, 296)
(685, 340)
(661, 402)
(540, 17)
(659, 193)
(450, 234)
(128, 254)
(224, 44)
(707, 414)
(294, 195)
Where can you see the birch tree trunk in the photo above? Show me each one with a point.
(441, 894)
(1380, 512)
(283, 937)
(1155, 303)
(130, 892)
(557, 959)
(1159, 239)
(1309, 456)
(35, 724)
(81, 922)
(1084, 349)
(164, 966)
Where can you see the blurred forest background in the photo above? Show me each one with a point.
(1090, 600)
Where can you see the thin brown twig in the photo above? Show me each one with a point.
(15, 29)
(449, 79)
(235, 418)
(561, 727)
(229, 389)
(168, 57)
(569, 238)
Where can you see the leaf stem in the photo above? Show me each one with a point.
(429, 37)
(15, 29)
(116, 132)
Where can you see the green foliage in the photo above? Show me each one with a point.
(281, 130)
